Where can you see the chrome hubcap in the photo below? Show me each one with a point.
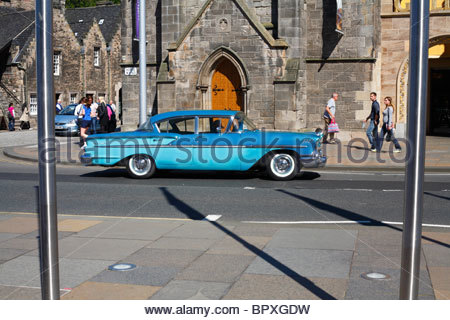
(282, 164)
(140, 164)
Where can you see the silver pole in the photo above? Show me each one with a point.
(414, 174)
(46, 145)
(142, 65)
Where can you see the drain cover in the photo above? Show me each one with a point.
(122, 267)
(375, 276)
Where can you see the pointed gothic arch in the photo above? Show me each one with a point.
(210, 66)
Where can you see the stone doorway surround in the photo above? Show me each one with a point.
(208, 69)
(402, 86)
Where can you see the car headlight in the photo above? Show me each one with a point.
(72, 123)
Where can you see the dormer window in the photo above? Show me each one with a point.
(101, 21)
(80, 21)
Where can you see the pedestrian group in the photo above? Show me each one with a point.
(91, 115)
(375, 139)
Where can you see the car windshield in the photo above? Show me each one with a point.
(69, 110)
(241, 122)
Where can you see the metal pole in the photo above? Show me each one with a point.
(46, 145)
(414, 174)
(142, 65)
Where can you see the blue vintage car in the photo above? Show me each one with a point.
(205, 140)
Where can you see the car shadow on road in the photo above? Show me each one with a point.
(349, 215)
(194, 214)
(199, 175)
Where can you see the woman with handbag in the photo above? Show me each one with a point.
(388, 126)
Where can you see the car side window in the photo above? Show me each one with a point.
(212, 125)
(177, 125)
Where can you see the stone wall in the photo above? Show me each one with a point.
(395, 51)
(343, 64)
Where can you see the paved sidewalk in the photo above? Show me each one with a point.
(185, 259)
(347, 155)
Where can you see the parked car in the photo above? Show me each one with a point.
(66, 121)
(205, 140)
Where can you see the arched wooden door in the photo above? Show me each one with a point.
(226, 88)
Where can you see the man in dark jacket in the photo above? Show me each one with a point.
(374, 117)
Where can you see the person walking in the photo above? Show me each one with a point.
(102, 113)
(374, 117)
(388, 126)
(77, 113)
(25, 118)
(94, 115)
(329, 116)
(11, 117)
(86, 121)
(112, 121)
(59, 106)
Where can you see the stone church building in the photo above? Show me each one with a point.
(279, 61)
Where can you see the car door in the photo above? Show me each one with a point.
(215, 147)
(174, 146)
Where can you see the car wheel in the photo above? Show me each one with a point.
(282, 166)
(141, 166)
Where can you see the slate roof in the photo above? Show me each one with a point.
(15, 25)
(81, 20)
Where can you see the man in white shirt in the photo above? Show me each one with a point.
(94, 115)
(59, 106)
(328, 116)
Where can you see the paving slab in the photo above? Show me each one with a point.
(35, 235)
(272, 287)
(141, 275)
(182, 243)
(436, 255)
(305, 262)
(20, 243)
(25, 271)
(234, 247)
(381, 257)
(442, 294)
(440, 278)
(163, 257)
(202, 230)
(19, 225)
(96, 249)
(192, 290)
(76, 225)
(443, 237)
(137, 229)
(8, 254)
(363, 289)
(6, 236)
(216, 268)
(313, 238)
(110, 291)
(255, 230)
(19, 293)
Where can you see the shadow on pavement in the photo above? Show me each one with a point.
(352, 215)
(437, 196)
(199, 175)
(196, 215)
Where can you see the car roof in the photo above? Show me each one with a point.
(183, 113)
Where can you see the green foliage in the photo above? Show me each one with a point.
(87, 3)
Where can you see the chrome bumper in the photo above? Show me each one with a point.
(313, 161)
